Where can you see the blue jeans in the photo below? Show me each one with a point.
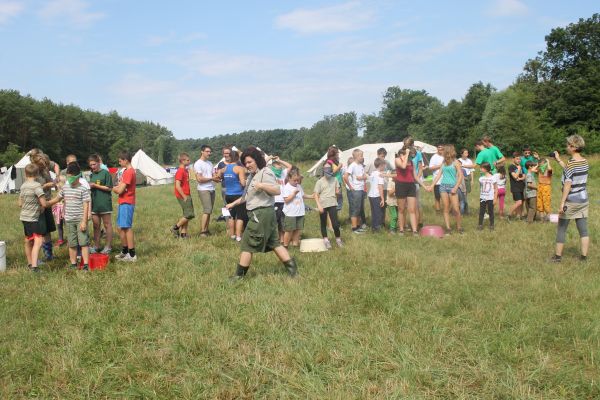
(464, 205)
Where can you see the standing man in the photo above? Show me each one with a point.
(355, 178)
(126, 191)
(493, 155)
(206, 187)
(435, 163)
(226, 152)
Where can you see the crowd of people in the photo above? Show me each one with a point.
(263, 197)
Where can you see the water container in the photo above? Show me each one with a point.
(2, 256)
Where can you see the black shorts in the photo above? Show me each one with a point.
(518, 196)
(48, 220)
(405, 189)
(33, 229)
(239, 211)
(279, 215)
(436, 192)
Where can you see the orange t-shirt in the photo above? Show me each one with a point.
(128, 196)
(545, 179)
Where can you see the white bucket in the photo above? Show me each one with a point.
(2, 256)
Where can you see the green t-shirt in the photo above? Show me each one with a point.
(489, 155)
(101, 200)
(524, 161)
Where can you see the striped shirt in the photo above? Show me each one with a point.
(74, 199)
(576, 172)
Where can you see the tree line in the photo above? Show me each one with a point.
(557, 94)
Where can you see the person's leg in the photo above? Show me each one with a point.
(401, 214)
(438, 197)
(96, 220)
(130, 239)
(323, 221)
(60, 227)
(239, 228)
(123, 238)
(289, 262)
(531, 207)
(456, 210)
(411, 205)
(461, 201)
(561, 233)
(72, 255)
(296, 237)
(332, 211)
(445, 198)
(393, 217)
(490, 210)
(35, 250)
(501, 195)
(363, 216)
(85, 254)
(418, 208)
(582, 228)
(374, 204)
(28, 247)
(481, 212)
(287, 236)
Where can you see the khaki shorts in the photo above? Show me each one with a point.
(187, 207)
(575, 210)
(207, 198)
(261, 233)
(293, 223)
(75, 236)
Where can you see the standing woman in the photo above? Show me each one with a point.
(450, 179)
(234, 179)
(574, 201)
(42, 161)
(406, 189)
(333, 159)
(261, 232)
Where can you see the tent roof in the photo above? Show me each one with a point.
(148, 166)
(370, 152)
(23, 161)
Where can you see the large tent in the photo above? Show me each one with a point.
(154, 173)
(7, 184)
(13, 178)
(370, 152)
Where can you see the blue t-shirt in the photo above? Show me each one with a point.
(416, 160)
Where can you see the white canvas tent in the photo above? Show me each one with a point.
(7, 184)
(370, 152)
(154, 173)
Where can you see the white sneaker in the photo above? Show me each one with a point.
(106, 250)
(339, 242)
(121, 255)
(128, 258)
(327, 244)
(238, 238)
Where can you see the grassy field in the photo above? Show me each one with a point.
(483, 315)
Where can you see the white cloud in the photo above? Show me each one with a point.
(75, 12)
(171, 37)
(9, 9)
(215, 64)
(508, 8)
(344, 17)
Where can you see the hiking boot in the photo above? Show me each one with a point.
(583, 258)
(240, 273)
(556, 259)
(291, 267)
(175, 231)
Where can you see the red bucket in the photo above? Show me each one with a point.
(97, 261)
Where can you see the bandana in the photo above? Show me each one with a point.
(277, 171)
(543, 168)
(72, 179)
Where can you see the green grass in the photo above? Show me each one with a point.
(476, 316)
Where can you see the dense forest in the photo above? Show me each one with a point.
(557, 94)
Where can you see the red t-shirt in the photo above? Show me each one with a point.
(183, 175)
(128, 196)
(405, 175)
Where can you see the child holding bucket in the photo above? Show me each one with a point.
(77, 207)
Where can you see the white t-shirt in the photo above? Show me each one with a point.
(487, 187)
(467, 165)
(354, 171)
(436, 160)
(281, 182)
(205, 169)
(375, 179)
(500, 181)
(294, 208)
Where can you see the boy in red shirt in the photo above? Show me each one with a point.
(182, 193)
(126, 191)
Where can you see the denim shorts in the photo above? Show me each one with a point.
(445, 188)
(125, 216)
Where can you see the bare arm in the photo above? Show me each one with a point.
(563, 197)
(120, 188)
(459, 176)
(84, 221)
(179, 190)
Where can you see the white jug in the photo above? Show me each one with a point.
(2, 256)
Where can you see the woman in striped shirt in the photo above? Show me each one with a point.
(574, 203)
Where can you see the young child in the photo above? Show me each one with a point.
(182, 193)
(32, 202)
(488, 194)
(355, 178)
(531, 190)
(375, 195)
(126, 191)
(325, 194)
(544, 195)
(392, 205)
(501, 182)
(517, 186)
(77, 206)
(293, 209)
(58, 211)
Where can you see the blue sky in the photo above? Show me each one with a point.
(206, 68)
